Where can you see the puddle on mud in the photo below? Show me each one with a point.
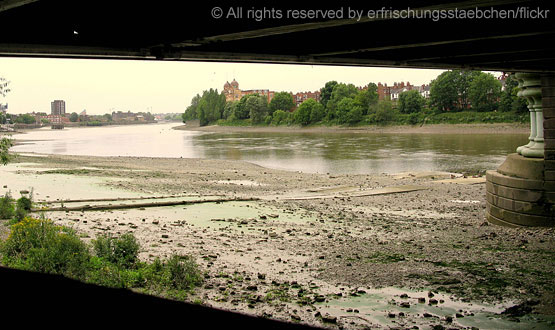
(394, 307)
(33, 155)
(125, 201)
(60, 186)
(426, 175)
(205, 215)
(241, 182)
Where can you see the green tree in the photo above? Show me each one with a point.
(210, 106)
(281, 117)
(373, 93)
(484, 92)
(257, 107)
(25, 119)
(384, 112)
(367, 98)
(340, 91)
(317, 113)
(509, 100)
(411, 101)
(229, 110)
(450, 90)
(5, 143)
(444, 94)
(348, 111)
(463, 82)
(241, 111)
(74, 117)
(281, 101)
(301, 115)
(325, 92)
(191, 111)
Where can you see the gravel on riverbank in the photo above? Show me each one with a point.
(340, 241)
(496, 128)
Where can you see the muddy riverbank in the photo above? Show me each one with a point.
(337, 251)
(496, 128)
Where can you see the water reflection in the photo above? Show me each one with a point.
(307, 152)
(363, 153)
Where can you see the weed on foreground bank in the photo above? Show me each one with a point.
(39, 245)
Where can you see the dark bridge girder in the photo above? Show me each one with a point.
(166, 30)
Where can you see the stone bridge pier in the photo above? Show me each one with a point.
(521, 192)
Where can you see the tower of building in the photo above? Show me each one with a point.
(58, 107)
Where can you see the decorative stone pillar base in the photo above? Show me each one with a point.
(531, 89)
(521, 192)
(517, 193)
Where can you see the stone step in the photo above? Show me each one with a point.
(513, 182)
(519, 206)
(500, 222)
(522, 195)
(521, 219)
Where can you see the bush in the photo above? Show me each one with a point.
(39, 245)
(281, 117)
(22, 207)
(5, 145)
(105, 273)
(413, 119)
(384, 113)
(267, 120)
(6, 206)
(122, 251)
(182, 272)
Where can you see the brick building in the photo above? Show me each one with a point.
(55, 119)
(300, 97)
(232, 93)
(386, 92)
(58, 107)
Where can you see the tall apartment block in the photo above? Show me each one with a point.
(58, 107)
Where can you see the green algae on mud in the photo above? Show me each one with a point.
(25, 176)
(393, 307)
(206, 215)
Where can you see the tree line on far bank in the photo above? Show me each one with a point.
(456, 96)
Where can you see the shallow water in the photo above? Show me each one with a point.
(205, 215)
(16, 177)
(366, 153)
(384, 307)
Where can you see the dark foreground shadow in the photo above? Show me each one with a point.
(40, 299)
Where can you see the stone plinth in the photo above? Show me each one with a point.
(518, 194)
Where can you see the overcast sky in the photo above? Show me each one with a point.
(101, 86)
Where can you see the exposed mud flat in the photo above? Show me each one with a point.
(327, 250)
(498, 128)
